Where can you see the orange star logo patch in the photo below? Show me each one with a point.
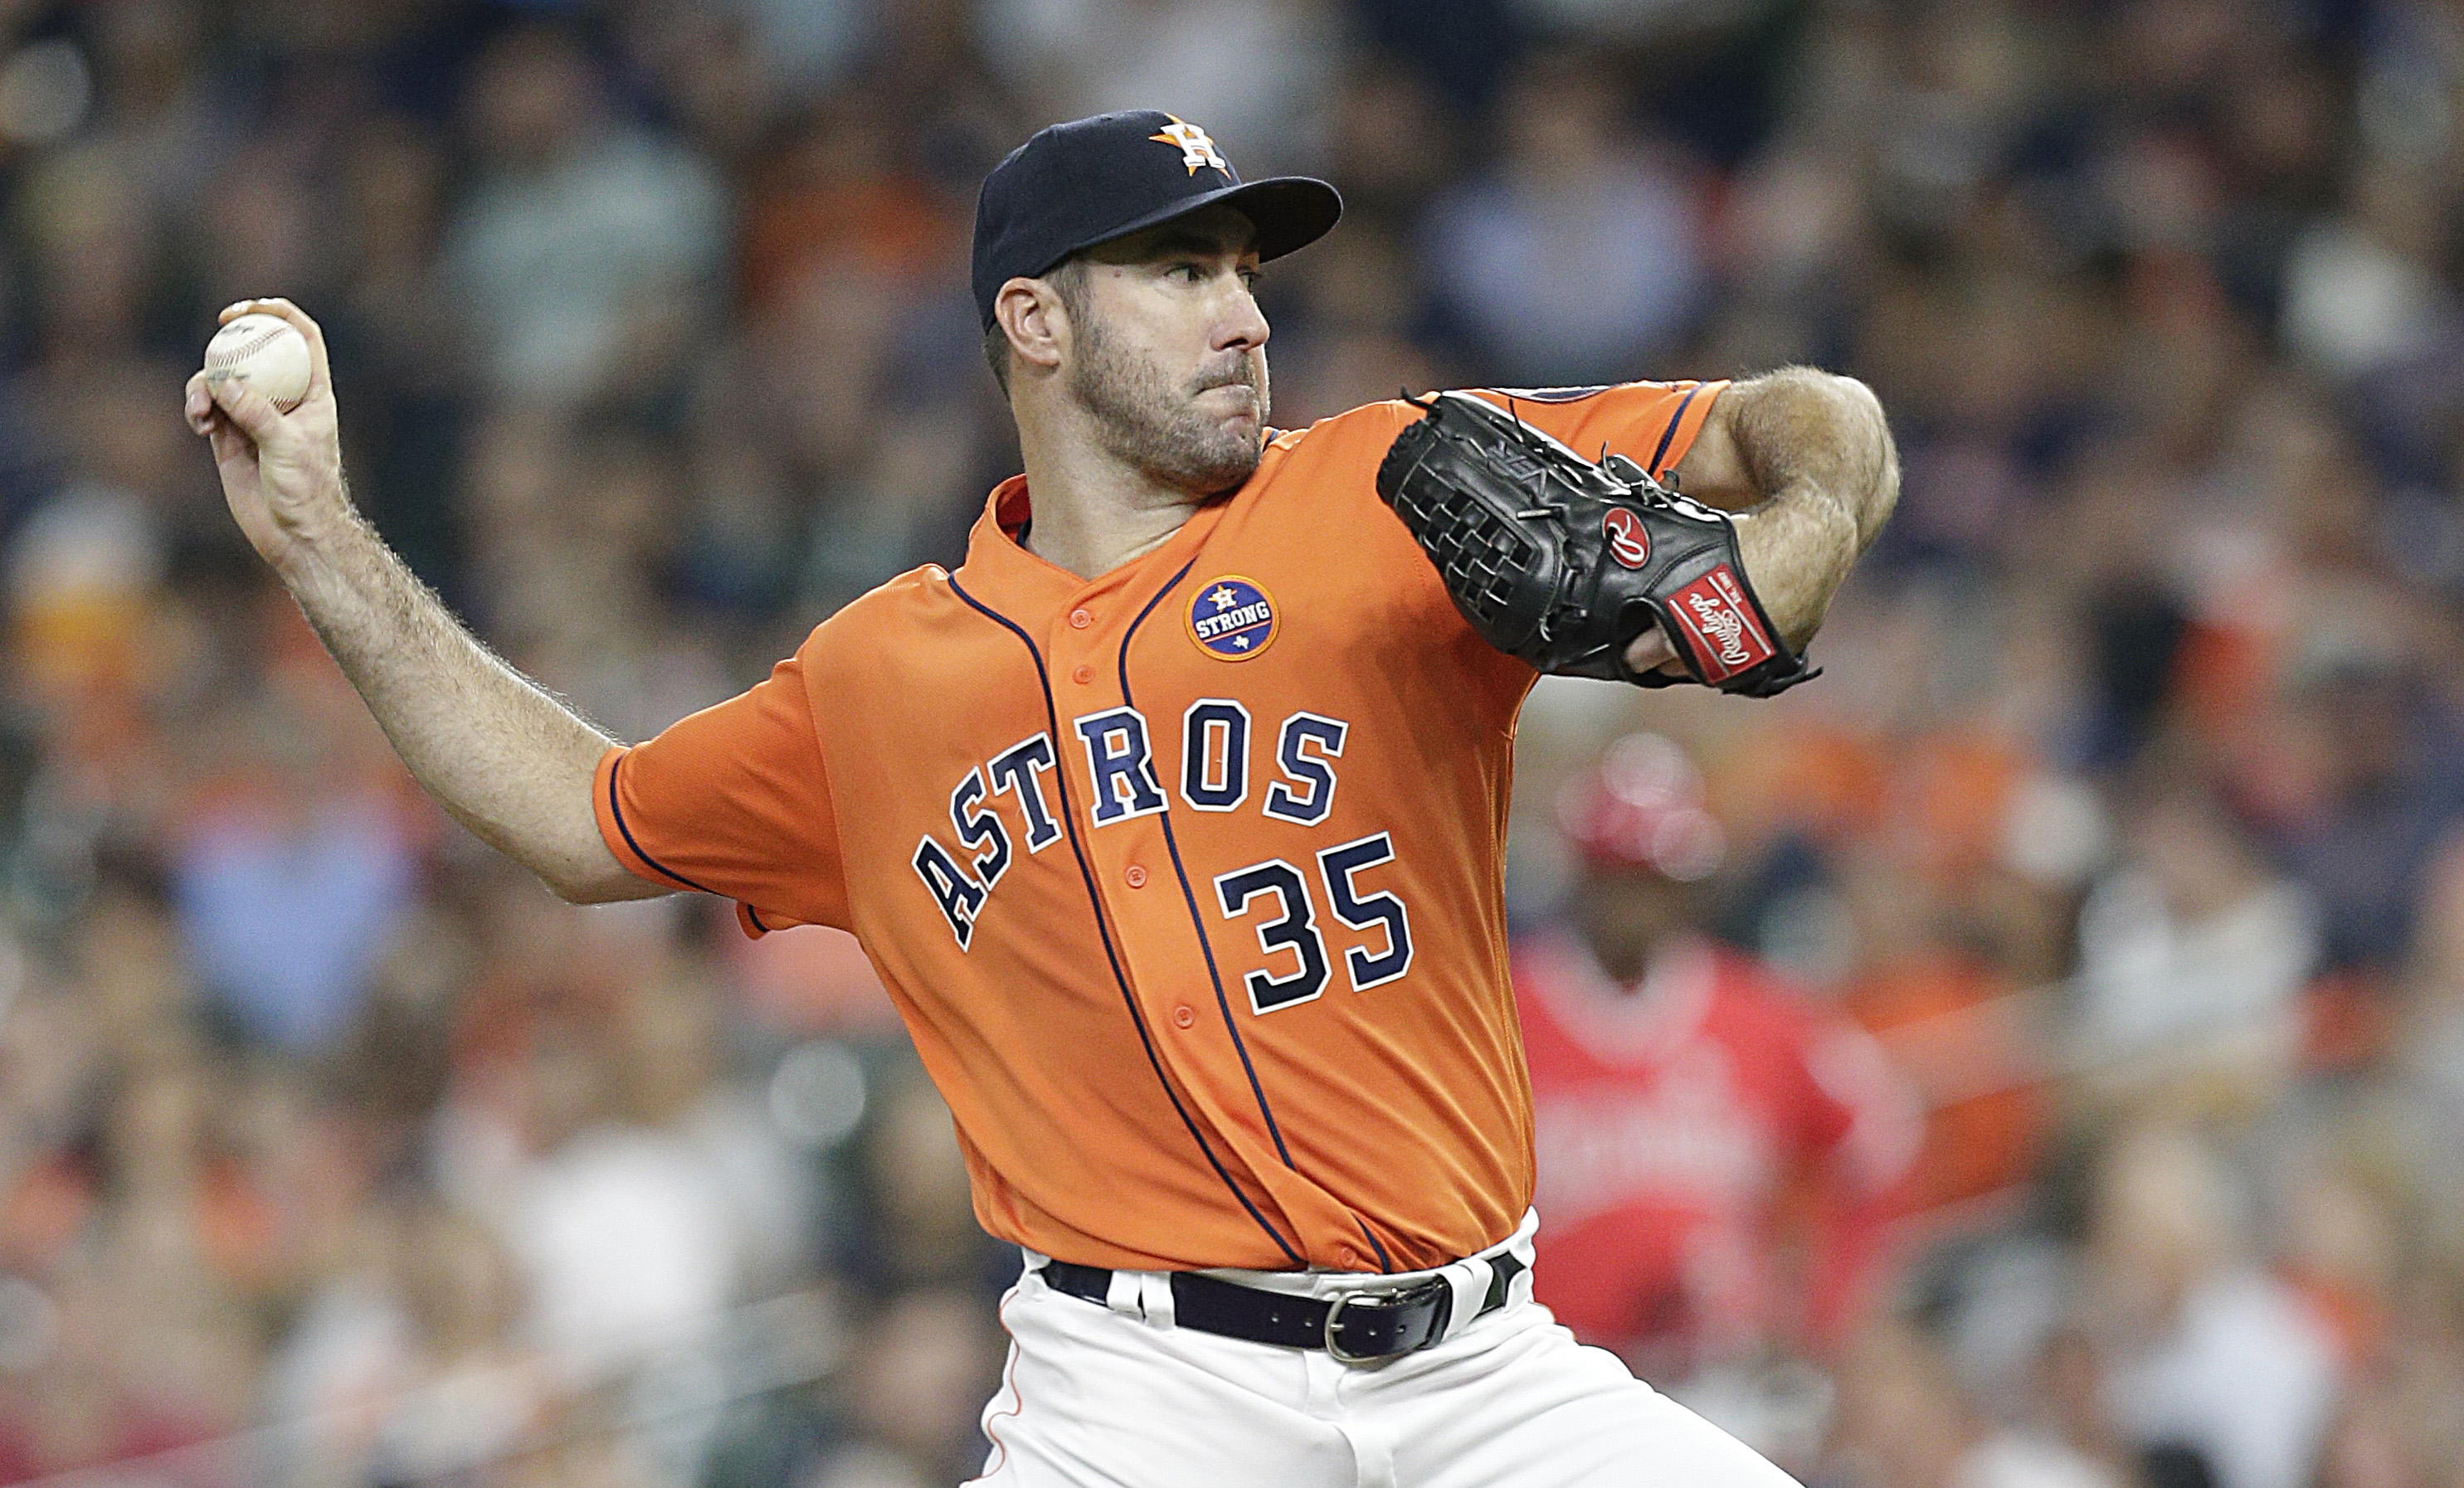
(1196, 149)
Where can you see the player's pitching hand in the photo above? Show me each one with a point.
(282, 472)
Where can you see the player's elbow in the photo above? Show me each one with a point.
(1862, 409)
(1843, 395)
(1812, 409)
(576, 890)
(1857, 407)
(1867, 421)
(601, 890)
(602, 879)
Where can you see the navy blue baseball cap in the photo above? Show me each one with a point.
(1092, 180)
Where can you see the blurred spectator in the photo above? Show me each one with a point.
(2191, 954)
(2361, 291)
(462, 1393)
(588, 251)
(618, 1229)
(1686, 1102)
(1577, 259)
(288, 892)
(2381, 796)
(2209, 1353)
(2429, 1056)
(917, 1387)
(1254, 73)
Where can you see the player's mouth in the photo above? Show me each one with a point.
(1238, 377)
(1231, 403)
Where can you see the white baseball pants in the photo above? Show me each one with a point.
(1114, 1398)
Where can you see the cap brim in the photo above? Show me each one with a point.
(1289, 211)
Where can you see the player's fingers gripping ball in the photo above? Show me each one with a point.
(266, 352)
(1563, 563)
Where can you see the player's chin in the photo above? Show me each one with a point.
(1243, 425)
(1244, 431)
(1222, 461)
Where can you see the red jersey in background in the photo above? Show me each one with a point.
(1681, 1125)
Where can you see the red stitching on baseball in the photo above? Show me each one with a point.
(246, 348)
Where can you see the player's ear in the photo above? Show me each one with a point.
(1031, 315)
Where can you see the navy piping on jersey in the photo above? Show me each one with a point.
(755, 915)
(1069, 820)
(1670, 433)
(1383, 1263)
(618, 812)
(1197, 921)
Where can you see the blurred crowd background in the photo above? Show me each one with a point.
(333, 1150)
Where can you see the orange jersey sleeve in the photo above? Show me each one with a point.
(734, 800)
(1652, 424)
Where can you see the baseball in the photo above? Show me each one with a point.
(266, 352)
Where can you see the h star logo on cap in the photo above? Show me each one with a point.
(1196, 149)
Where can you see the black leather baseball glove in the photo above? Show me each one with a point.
(1563, 562)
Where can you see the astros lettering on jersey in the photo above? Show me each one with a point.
(1186, 878)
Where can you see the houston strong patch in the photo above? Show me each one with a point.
(1232, 619)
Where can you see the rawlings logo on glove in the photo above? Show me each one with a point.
(1629, 541)
(1564, 564)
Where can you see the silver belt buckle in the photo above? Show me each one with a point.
(1334, 1349)
(1434, 1293)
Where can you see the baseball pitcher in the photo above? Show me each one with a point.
(1173, 818)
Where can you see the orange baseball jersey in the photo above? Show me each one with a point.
(1186, 878)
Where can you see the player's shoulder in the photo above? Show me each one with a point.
(1367, 429)
(1328, 471)
(1507, 397)
(1552, 396)
(1372, 427)
(881, 612)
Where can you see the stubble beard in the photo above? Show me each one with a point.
(1153, 425)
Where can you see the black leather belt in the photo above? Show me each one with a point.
(1354, 1326)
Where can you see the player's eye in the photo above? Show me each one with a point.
(1250, 280)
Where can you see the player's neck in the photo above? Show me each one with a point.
(1094, 511)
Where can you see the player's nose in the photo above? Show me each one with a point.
(1241, 323)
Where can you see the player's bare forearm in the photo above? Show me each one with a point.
(498, 752)
(502, 755)
(1806, 460)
